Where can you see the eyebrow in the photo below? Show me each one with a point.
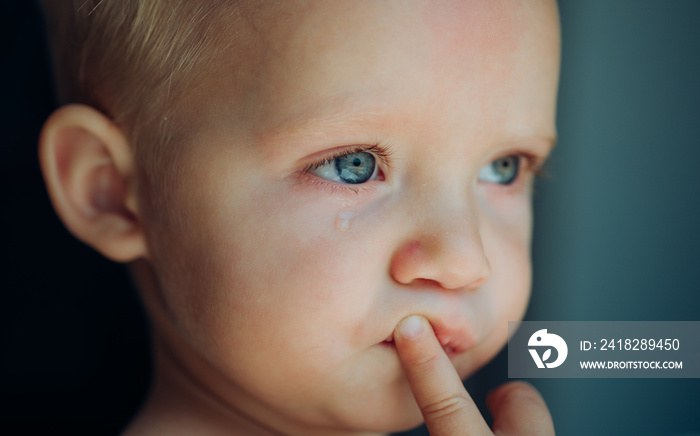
(343, 112)
(329, 115)
(549, 141)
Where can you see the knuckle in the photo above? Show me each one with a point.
(444, 407)
(425, 362)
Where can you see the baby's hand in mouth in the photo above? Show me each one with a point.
(447, 407)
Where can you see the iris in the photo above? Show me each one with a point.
(355, 167)
(502, 171)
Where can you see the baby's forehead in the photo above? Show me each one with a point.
(301, 55)
(449, 25)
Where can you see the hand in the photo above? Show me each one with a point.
(447, 408)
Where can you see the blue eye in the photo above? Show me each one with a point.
(353, 168)
(502, 171)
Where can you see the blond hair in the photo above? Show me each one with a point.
(135, 60)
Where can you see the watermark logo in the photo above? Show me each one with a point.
(604, 349)
(542, 339)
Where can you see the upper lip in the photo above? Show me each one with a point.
(458, 338)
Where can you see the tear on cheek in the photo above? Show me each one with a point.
(344, 219)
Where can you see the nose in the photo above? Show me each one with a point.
(444, 246)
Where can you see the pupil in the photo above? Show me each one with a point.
(355, 167)
(507, 169)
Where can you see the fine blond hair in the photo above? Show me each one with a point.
(135, 60)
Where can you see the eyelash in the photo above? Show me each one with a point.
(383, 153)
(534, 164)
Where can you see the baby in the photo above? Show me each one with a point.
(325, 205)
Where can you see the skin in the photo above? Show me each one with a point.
(269, 317)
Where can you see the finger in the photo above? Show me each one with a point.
(447, 408)
(518, 409)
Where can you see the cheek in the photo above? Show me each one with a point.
(503, 298)
(509, 253)
(268, 269)
(507, 246)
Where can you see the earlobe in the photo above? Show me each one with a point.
(88, 168)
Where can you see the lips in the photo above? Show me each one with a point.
(454, 341)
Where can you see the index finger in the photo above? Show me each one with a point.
(446, 406)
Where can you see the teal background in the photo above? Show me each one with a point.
(617, 225)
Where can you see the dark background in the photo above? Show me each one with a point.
(73, 348)
(616, 237)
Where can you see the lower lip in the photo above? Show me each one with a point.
(446, 348)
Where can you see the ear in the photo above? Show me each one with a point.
(89, 167)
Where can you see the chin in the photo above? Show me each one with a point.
(392, 415)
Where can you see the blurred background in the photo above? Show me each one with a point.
(617, 234)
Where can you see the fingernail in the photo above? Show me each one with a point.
(410, 327)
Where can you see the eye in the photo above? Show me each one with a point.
(352, 168)
(502, 171)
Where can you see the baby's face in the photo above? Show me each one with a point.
(374, 162)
